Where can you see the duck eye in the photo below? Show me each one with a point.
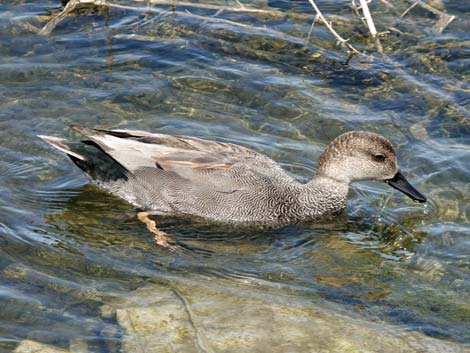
(378, 157)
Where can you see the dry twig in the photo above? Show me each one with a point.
(371, 25)
(441, 24)
(71, 6)
(241, 8)
(410, 8)
(310, 31)
(68, 9)
(328, 25)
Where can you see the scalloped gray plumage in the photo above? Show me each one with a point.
(226, 182)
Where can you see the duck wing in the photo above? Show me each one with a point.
(220, 166)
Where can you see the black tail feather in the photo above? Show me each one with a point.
(98, 164)
(91, 158)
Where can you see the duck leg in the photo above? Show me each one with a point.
(161, 238)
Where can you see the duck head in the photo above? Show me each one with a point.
(362, 155)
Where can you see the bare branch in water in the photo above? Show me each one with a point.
(310, 31)
(441, 24)
(240, 8)
(386, 3)
(410, 8)
(368, 16)
(68, 9)
(328, 25)
(72, 5)
(158, 6)
(371, 25)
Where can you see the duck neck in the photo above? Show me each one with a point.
(324, 196)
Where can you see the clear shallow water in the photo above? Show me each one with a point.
(67, 247)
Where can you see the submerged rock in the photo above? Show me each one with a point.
(28, 346)
(207, 317)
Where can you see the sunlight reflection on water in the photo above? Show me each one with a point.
(68, 248)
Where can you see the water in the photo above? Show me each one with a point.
(68, 248)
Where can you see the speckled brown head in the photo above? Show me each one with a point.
(363, 155)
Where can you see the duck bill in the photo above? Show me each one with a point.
(400, 183)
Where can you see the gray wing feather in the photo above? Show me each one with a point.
(221, 166)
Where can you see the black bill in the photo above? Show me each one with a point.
(399, 182)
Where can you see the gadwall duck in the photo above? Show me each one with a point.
(224, 182)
